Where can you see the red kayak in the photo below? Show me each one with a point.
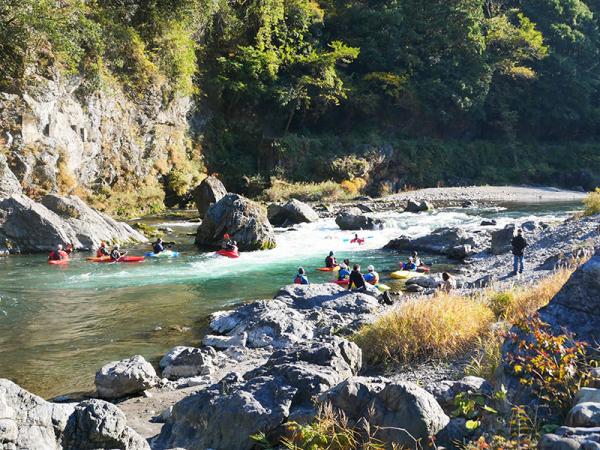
(122, 259)
(329, 269)
(358, 241)
(228, 253)
(58, 262)
(342, 282)
(423, 269)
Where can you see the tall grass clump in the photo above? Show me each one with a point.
(592, 203)
(425, 328)
(325, 191)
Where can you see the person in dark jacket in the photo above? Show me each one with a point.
(357, 281)
(158, 246)
(330, 261)
(518, 246)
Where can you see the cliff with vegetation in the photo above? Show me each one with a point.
(126, 102)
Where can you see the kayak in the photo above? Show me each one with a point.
(382, 287)
(122, 259)
(58, 262)
(163, 254)
(423, 268)
(228, 253)
(341, 282)
(403, 274)
(329, 269)
(358, 241)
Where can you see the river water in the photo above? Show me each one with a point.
(59, 324)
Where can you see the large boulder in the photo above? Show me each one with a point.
(291, 213)
(9, 184)
(398, 412)
(39, 227)
(354, 219)
(501, 240)
(416, 207)
(567, 438)
(207, 193)
(243, 219)
(118, 379)
(90, 226)
(29, 422)
(576, 307)
(262, 400)
(185, 362)
(452, 242)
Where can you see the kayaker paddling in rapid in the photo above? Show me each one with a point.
(357, 240)
(102, 250)
(58, 255)
(116, 254)
(158, 246)
(301, 277)
(330, 261)
(228, 243)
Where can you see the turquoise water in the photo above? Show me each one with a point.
(59, 324)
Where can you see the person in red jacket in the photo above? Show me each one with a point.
(58, 254)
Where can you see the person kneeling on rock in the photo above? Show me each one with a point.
(301, 277)
(357, 281)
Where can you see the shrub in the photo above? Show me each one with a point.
(488, 354)
(592, 203)
(130, 201)
(353, 187)
(326, 191)
(349, 167)
(500, 303)
(437, 327)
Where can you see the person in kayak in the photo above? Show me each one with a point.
(69, 249)
(58, 254)
(228, 243)
(371, 276)
(356, 239)
(301, 277)
(330, 261)
(347, 262)
(518, 246)
(410, 265)
(116, 254)
(416, 259)
(344, 273)
(357, 281)
(158, 246)
(102, 250)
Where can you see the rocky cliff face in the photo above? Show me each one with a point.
(56, 138)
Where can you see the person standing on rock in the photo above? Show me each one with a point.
(518, 246)
(357, 281)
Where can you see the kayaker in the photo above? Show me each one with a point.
(343, 273)
(356, 239)
(58, 254)
(347, 262)
(518, 246)
(102, 250)
(448, 283)
(410, 265)
(301, 277)
(228, 243)
(371, 276)
(158, 246)
(116, 254)
(330, 261)
(357, 281)
(69, 249)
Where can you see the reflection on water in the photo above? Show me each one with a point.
(59, 324)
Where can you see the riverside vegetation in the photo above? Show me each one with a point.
(305, 92)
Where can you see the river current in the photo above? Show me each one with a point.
(59, 324)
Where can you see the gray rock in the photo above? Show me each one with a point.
(415, 207)
(29, 422)
(530, 225)
(181, 362)
(446, 391)
(424, 281)
(210, 191)
(243, 219)
(399, 412)
(595, 377)
(291, 213)
(501, 240)
(576, 307)
(9, 184)
(354, 219)
(118, 379)
(453, 242)
(364, 208)
(224, 342)
(567, 438)
(488, 223)
(586, 414)
(585, 395)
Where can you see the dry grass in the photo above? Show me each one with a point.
(592, 203)
(437, 327)
(326, 191)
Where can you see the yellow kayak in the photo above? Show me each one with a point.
(382, 287)
(404, 274)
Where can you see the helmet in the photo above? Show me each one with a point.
(116, 246)
(59, 246)
(102, 244)
(370, 268)
(226, 236)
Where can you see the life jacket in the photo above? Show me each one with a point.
(57, 256)
(158, 247)
(300, 279)
(102, 252)
(115, 255)
(330, 261)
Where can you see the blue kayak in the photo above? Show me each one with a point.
(163, 254)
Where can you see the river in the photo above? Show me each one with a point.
(59, 324)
